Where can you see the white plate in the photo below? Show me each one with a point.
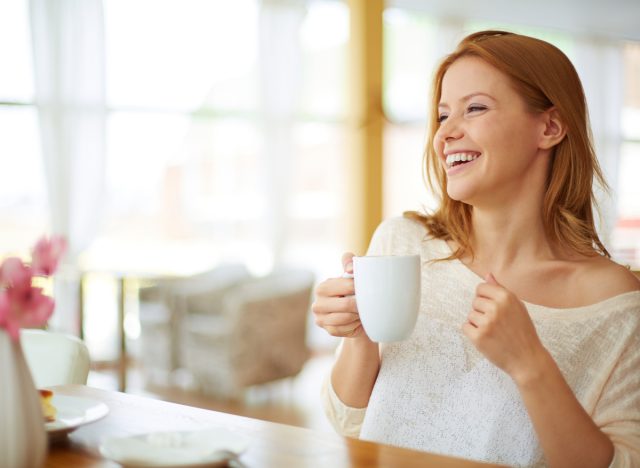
(207, 447)
(73, 412)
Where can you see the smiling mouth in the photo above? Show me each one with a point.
(457, 159)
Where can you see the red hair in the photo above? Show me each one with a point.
(544, 77)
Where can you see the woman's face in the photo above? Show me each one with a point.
(487, 141)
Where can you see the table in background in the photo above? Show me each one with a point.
(270, 444)
(123, 280)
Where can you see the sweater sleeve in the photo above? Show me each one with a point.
(346, 420)
(618, 410)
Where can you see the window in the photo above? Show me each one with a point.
(409, 59)
(193, 164)
(225, 137)
(627, 233)
(183, 142)
(22, 184)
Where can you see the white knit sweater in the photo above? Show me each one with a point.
(436, 392)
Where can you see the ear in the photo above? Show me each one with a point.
(553, 130)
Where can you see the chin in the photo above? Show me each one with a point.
(461, 194)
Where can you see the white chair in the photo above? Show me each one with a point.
(55, 358)
(257, 336)
(163, 308)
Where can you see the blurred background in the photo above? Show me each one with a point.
(212, 159)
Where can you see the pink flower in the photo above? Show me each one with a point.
(15, 275)
(30, 309)
(5, 309)
(21, 304)
(46, 255)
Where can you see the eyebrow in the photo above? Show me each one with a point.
(467, 97)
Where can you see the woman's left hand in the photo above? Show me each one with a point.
(500, 328)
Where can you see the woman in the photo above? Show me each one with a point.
(527, 347)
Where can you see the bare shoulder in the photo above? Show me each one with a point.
(602, 278)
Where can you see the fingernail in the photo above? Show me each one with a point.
(349, 267)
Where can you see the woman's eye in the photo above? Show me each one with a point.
(476, 108)
(442, 118)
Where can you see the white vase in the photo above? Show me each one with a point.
(23, 439)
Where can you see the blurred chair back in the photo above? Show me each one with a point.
(164, 307)
(269, 336)
(55, 358)
(258, 335)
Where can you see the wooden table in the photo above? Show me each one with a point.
(271, 444)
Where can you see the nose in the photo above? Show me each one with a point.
(449, 130)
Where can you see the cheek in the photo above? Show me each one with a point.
(515, 134)
(499, 138)
(517, 145)
(438, 143)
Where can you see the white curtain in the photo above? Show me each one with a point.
(600, 64)
(69, 64)
(280, 80)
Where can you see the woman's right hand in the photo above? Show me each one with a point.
(335, 307)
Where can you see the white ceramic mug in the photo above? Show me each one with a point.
(388, 295)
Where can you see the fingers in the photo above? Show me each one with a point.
(335, 287)
(344, 324)
(492, 291)
(329, 305)
(491, 279)
(470, 331)
(477, 319)
(347, 262)
(335, 306)
(484, 305)
(337, 319)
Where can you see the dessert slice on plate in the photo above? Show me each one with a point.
(48, 410)
(69, 412)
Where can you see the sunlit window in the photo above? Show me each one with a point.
(324, 33)
(225, 136)
(627, 234)
(409, 60)
(183, 146)
(182, 55)
(629, 197)
(188, 162)
(22, 185)
(16, 79)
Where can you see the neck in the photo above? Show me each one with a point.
(507, 223)
(503, 238)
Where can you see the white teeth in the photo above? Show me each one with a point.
(458, 157)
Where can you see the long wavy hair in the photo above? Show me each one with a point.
(545, 78)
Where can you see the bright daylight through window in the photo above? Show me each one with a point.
(225, 134)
